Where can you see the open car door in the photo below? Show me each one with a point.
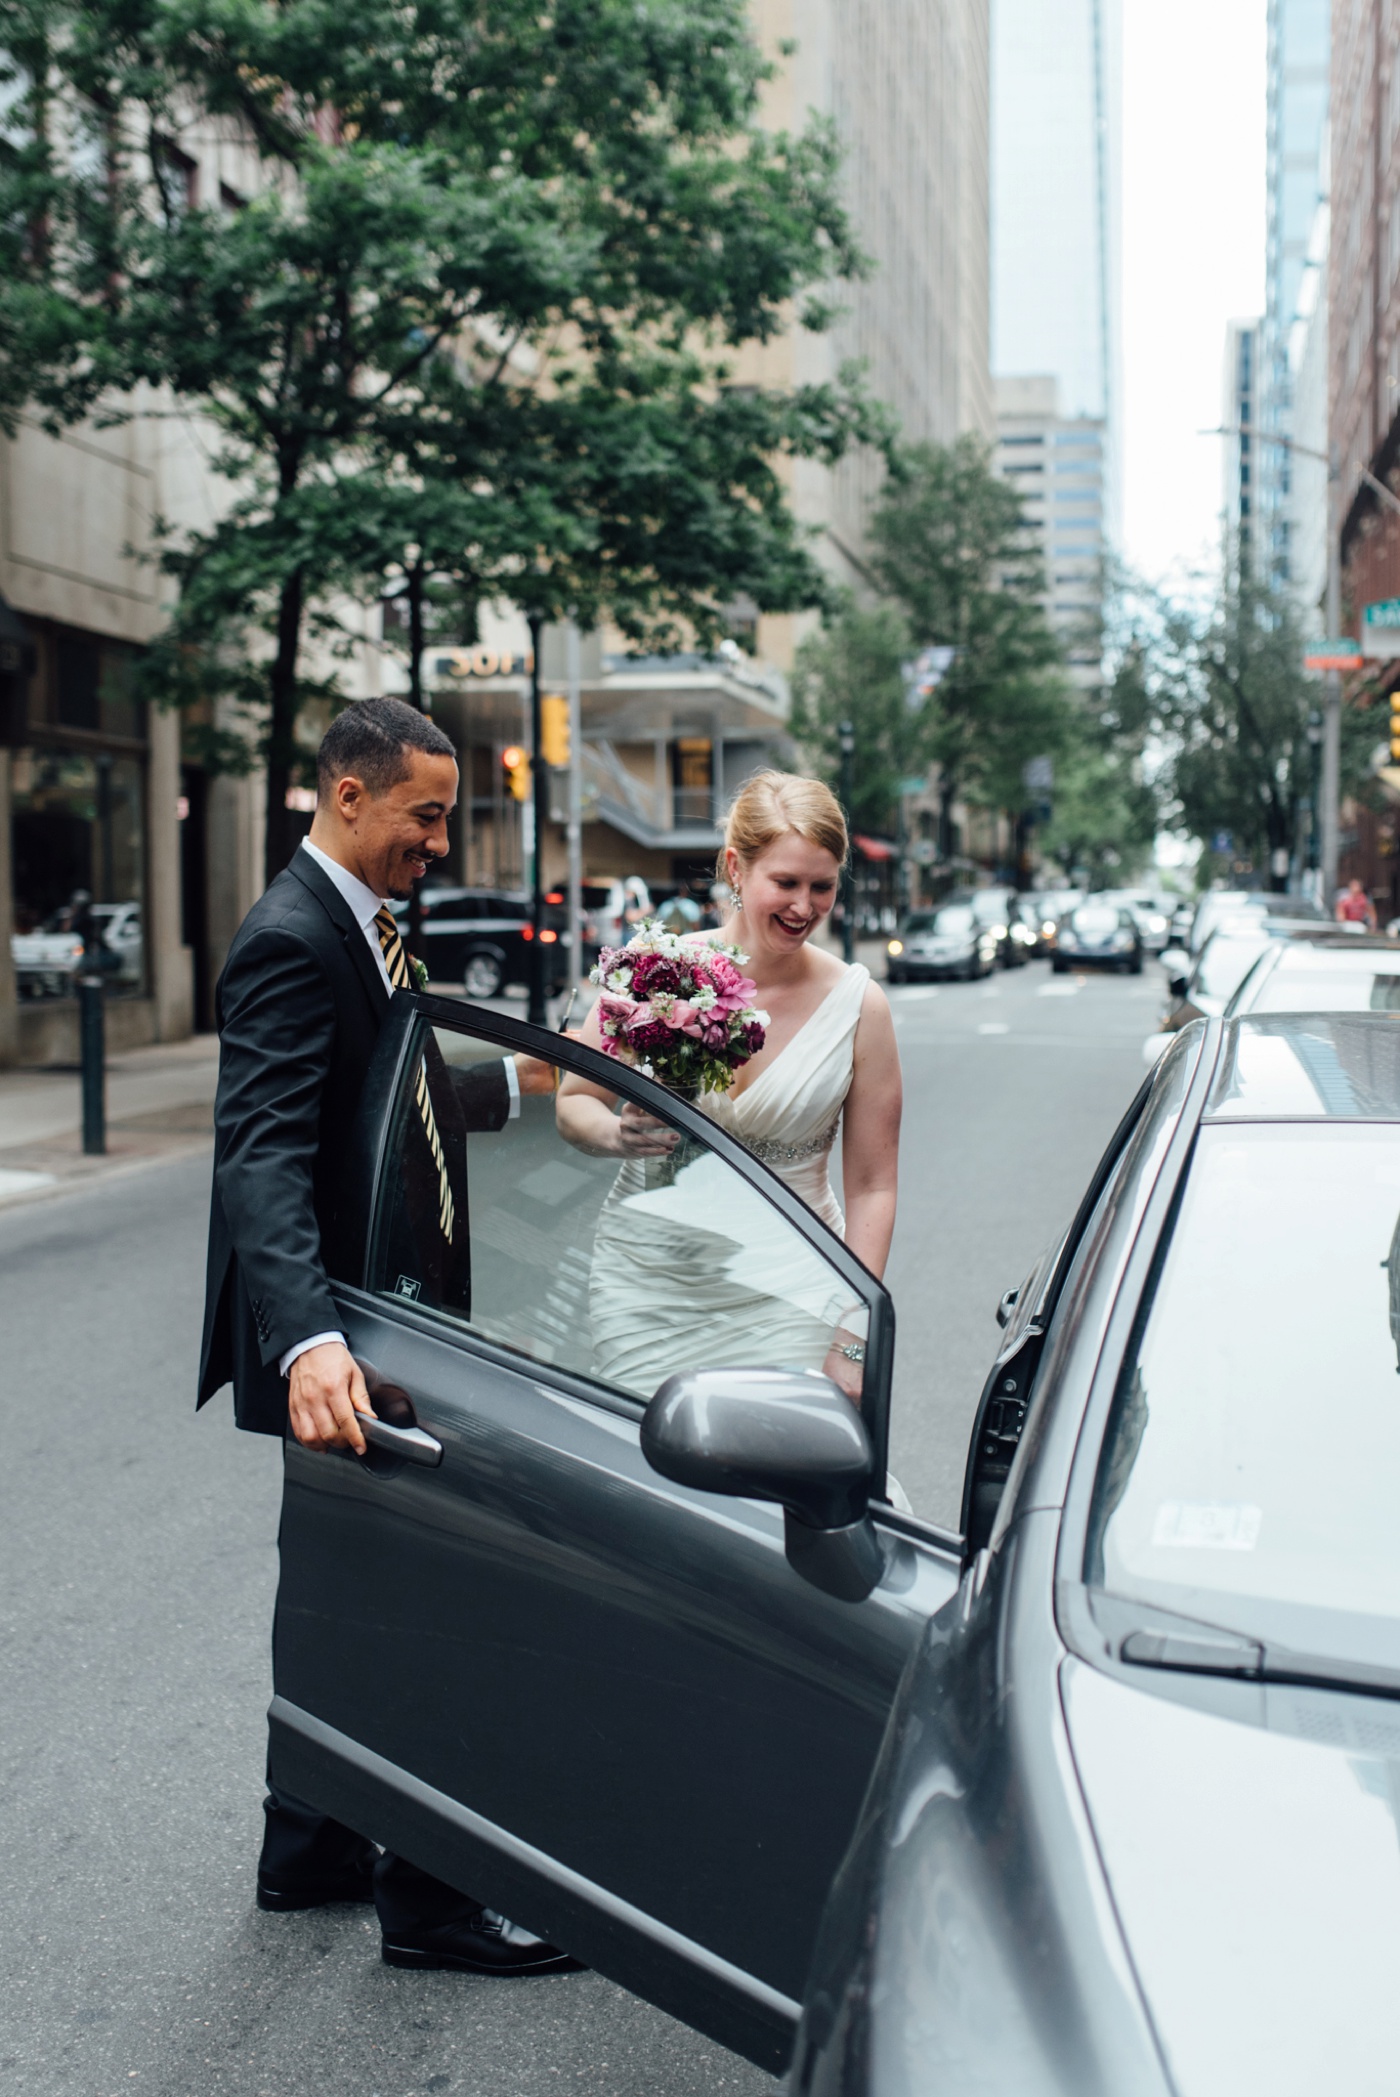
(636, 1715)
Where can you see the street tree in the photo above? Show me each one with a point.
(1106, 803)
(853, 670)
(505, 255)
(1236, 703)
(950, 547)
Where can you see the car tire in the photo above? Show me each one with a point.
(484, 974)
(1058, 967)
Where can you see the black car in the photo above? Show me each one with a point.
(930, 944)
(1094, 1797)
(480, 938)
(1099, 935)
(997, 911)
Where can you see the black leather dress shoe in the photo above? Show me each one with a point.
(282, 1896)
(483, 1942)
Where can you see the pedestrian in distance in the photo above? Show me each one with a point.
(1354, 906)
(307, 983)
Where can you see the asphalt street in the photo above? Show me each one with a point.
(138, 1574)
(1012, 1088)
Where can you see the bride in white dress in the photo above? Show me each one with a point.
(829, 1063)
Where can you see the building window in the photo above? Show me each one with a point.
(692, 760)
(78, 818)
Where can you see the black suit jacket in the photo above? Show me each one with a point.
(299, 1007)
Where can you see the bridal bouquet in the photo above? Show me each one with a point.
(678, 1008)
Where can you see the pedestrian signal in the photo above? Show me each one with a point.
(516, 764)
(554, 730)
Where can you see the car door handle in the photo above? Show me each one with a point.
(411, 1443)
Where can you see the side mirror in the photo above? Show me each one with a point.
(787, 1435)
(1175, 960)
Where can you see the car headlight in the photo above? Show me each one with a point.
(1047, 928)
(896, 946)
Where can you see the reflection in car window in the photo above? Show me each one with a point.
(953, 921)
(621, 1272)
(1097, 917)
(1331, 983)
(1251, 1473)
(1226, 962)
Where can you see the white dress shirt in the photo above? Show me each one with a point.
(365, 905)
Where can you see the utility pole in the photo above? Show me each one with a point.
(575, 827)
(846, 737)
(536, 1011)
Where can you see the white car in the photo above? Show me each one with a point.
(46, 961)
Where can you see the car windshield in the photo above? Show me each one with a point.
(951, 922)
(1251, 1473)
(1309, 980)
(1226, 961)
(1094, 919)
(989, 909)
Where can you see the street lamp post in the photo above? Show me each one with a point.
(846, 741)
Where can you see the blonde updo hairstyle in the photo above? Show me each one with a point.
(774, 805)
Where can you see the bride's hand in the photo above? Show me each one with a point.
(848, 1376)
(641, 1135)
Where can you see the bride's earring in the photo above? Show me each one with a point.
(736, 901)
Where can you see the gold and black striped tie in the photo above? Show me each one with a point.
(396, 961)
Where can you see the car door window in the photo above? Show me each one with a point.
(622, 1272)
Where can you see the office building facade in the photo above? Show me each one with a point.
(1056, 464)
(1241, 447)
(1299, 33)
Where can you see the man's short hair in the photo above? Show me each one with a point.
(370, 742)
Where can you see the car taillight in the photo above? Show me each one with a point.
(547, 939)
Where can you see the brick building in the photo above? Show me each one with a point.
(1364, 376)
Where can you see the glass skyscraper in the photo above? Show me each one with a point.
(1299, 39)
(1056, 103)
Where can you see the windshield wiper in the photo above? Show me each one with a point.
(1159, 1639)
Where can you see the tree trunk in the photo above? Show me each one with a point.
(280, 837)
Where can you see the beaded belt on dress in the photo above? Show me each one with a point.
(770, 1153)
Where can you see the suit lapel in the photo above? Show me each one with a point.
(320, 885)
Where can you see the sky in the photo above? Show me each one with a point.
(1193, 258)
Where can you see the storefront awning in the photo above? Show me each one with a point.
(872, 847)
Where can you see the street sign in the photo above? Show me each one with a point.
(1385, 612)
(1341, 654)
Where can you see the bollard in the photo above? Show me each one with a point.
(93, 1048)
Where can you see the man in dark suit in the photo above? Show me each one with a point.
(299, 1004)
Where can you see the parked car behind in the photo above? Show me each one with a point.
(1322, 974)
(480, 938)
(1099, 934)
(1221, 903)
(944, 942)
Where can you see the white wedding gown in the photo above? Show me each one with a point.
(704, 1272)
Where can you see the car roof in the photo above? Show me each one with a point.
(1308, 1066)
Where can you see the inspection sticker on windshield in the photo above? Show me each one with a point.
(1207, 1525)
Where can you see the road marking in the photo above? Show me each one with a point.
(13, 1182)
(911, 994)
(994, 1026)
(1059, 990)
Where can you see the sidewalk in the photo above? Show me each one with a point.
(160, 1104)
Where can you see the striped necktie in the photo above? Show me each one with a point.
(396, 962)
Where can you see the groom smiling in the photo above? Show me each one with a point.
(299, 1005)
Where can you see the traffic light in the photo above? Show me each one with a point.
(1395, 728)
(554, 730)
(516, 764)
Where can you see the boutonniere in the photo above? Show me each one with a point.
(419, 972)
